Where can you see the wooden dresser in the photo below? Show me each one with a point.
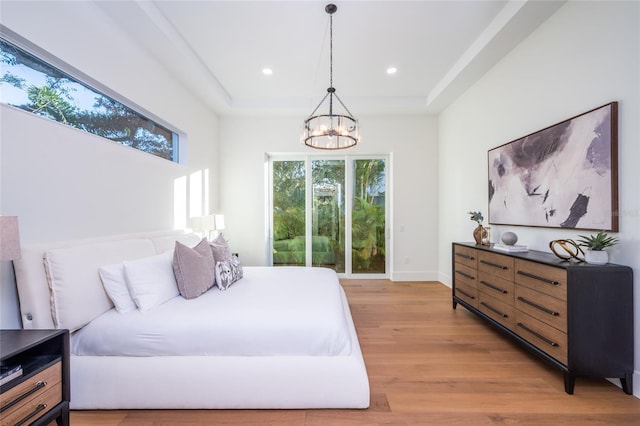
(575, 316)
(40, 393)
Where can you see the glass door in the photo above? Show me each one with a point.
(288, 212)
(330, 212)
(368, 217)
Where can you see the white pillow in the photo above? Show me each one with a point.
(115, 284)
(77, 294)
(151, 281)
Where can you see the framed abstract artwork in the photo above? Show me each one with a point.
(564, 176)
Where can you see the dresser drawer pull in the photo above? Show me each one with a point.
(496, 288)
(464, 293)
(39, 408)
(31, 391)
(471, 277)
(541, 308)
(466, 256)
(538, 335)
(495, 265)
(494, 310)
(535, 277)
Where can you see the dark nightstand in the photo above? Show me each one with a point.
(40, 394)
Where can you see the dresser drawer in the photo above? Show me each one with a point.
(496, 264)
(465, 275)
(467, 293)
(465, 255)
(546, 338)
(543, 307)
(543, 278)
(37, 395)
(497, 287)
(501, 312)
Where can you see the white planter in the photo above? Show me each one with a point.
(596, 257)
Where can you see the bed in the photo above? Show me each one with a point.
(278, 338)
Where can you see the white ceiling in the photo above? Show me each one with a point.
(218, 49)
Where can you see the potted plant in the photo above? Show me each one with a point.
(595, 244)
(479, 232)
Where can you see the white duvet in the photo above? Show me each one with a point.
(270, 311)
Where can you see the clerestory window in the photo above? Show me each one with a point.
(32, 84)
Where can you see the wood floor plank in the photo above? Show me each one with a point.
(427, 364)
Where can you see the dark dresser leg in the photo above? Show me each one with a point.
(627, 383)
(569, 383)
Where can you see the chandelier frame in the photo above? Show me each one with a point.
(331, 131)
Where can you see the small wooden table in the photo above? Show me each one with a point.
(40, 393)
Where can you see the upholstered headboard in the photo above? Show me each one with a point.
(72, 266)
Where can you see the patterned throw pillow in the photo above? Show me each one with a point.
(228, 272)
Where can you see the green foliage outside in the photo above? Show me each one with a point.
(288, 199)
(53, 94)
(368, 217)
(368, 213)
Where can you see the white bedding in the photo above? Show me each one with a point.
(290, 311)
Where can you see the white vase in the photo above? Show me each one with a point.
(596, 257)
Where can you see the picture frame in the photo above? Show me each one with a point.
(563, 176)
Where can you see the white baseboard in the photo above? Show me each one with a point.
(414, 276)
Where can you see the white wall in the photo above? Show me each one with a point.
(584, 56)
(63, 183)
(412, 141)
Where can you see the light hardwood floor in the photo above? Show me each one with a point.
(427, 364)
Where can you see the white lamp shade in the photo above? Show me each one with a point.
(202, 223)
(208, 222)
(219, 222)
(9, 238)
(195, 223)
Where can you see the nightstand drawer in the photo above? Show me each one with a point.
(43, 389)
(543, 278)
(34, 406)
(496, 264)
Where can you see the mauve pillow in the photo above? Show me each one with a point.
(194, 269)
(220, 249)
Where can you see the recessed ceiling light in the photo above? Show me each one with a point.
(267, 71)
(392, 70)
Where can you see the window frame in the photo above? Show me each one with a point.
(178, 137)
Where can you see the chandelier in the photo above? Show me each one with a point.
(330, 131)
